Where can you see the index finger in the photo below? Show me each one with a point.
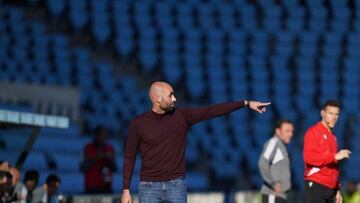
(265, 104)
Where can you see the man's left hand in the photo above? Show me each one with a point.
(338, 198)
(258, 106)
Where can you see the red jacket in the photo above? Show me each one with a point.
(100, 174)
(320, 147)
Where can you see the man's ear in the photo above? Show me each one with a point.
(277, 131)
(322, 113)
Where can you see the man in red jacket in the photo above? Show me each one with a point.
(321, 158)
(98, 164)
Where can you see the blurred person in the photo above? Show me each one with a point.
(5, 182)
(274, 164)
(19, 191)
(31, 180)
(160, 135)
(352, 193)
(321, 158)
(98, 164)
(47, 193)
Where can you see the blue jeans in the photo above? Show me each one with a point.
(172, 191)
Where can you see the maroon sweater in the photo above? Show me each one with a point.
(161, 141)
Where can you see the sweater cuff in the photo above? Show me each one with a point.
(246, 102)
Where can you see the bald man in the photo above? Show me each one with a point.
(160, 136)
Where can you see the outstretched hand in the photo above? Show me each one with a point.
(258, 106)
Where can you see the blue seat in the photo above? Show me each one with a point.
(17, 28)
(72, 183)
(273, 11)
(342, 13)
(353, 38)
(314, 4)
(99, 6)
(237, 49)
(238, 36)
(56, 7)
(196, 181)
(227, 21)
(215, 47)
(333, 51)
(169, 46)
(81, 54)
(101, 32)
(309, 37)
(216, 35)
(329, 64)
(294, 24)
(248, 21)
(59, 41)
(306, 63)
(193, 47)
(79, 18)
(19, 53)
(149, 60)
(353, 51)
(333, 38)
(35, 161)
(172, 72)
(195, 85)
(163, 16)
(36, 28)
(15, 14)
(351, 103)
(308, 50)
(272, 24)
(69, 163)
(356, 24)
(318, 13)
(318, 25)
(124, 42)
(284, 37)
(213, 61)
(206, 16)
(170, 34)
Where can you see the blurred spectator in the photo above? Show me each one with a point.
(352, 194)
(31, 180)
(48, 193)
(5, 181)
(274, 164)
(19, 191)
(98, 164)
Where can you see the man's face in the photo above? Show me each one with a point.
(166, 98)
(53, 187)
(100, 138)
(330, 116)
(285, 132)
(30, 184)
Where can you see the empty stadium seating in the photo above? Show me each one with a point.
(294, 54)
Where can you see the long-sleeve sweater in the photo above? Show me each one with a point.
(274, 166)
(160, 138)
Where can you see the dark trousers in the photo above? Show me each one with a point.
(272, 199)
(317, 193)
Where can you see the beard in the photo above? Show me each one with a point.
(167, 107)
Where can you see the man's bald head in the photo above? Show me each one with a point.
(157, 88)
(162, 97)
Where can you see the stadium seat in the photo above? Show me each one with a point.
(56, 7)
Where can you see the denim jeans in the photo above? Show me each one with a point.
(172, 191)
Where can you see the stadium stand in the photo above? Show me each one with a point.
(294, 53)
